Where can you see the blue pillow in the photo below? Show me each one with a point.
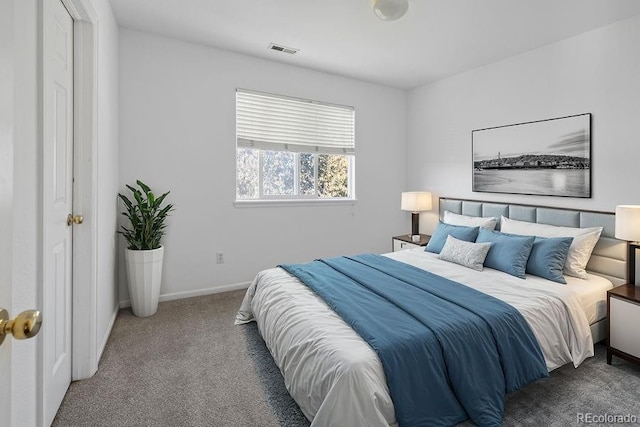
(460, 232)
(508, 253)
(548, 256)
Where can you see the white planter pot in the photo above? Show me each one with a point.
(144, 274)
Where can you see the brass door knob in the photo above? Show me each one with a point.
(74, 219)
(26, 324)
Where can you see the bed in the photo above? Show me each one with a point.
(337, 379)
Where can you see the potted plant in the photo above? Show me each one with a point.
(144, 253)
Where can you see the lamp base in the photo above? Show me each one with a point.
(415, 223)
(631, 261)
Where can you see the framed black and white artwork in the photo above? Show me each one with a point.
(547, 157)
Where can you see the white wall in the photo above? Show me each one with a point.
(595, 72)
(177, 132)
(107, 171)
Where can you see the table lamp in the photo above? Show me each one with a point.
(628, 228)
(415, 202)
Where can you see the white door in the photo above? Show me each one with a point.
(57, 204)
(5, 348)
(6, 249)
(6, 197)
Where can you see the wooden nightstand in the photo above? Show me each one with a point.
(623, 311)
(399, 243)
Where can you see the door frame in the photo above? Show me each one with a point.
(84, 347)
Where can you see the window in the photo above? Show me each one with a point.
(288, 148)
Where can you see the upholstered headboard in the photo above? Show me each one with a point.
(609, 258)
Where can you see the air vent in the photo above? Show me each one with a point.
(283, 49)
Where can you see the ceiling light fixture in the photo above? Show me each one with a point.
(390, 10)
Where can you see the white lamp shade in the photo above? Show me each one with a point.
(416, 201)
(390, 10)
(628, 222)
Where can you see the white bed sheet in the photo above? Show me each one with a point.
(593, 295)
(337, 379)
(327, 368)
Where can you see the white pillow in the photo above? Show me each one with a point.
(465, 253)
(469, 221)
(584, 240)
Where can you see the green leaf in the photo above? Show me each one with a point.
(125, 200)
(133, 189)
(160, 199)
(144, 186)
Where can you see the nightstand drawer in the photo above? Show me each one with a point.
(624, 318)
(399, 245)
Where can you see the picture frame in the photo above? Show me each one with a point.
(549, 157)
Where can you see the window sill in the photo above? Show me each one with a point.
(293, 202)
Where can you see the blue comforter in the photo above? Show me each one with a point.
(448, 351)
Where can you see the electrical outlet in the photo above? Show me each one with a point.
(219, 258)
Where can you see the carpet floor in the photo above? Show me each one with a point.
(188, 365)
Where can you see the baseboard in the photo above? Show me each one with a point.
(107, 334)
(196, 293)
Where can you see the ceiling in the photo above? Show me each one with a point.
(435, 39)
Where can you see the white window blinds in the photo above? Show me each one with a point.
(274, 122)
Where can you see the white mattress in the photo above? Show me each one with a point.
(337, 379)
